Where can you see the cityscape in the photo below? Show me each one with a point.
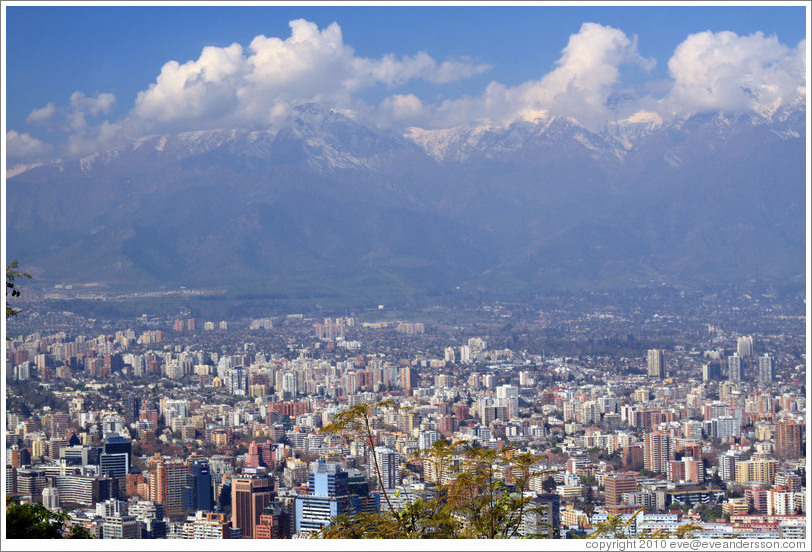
(177, 427)
(309, 273)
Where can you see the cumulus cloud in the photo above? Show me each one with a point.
(402, 107)
(585, 77)
(257, 85)
(42, 114)
(81, 106)
(22, 145)
(724, 71)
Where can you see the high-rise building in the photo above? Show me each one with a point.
(250, 493)
(686, 470)
(616, 485)
(735, 368)
(132, 406)
(329, 496)
(658, 449)
(274, 522)
(759, 471)
(544, 517)
(712, 370)
(788, 439)
(236, 380)
(30, 483)
(50, 498)
(656, 363)
(115, 466)
(201, 485)
(408, 379)
(766, 369)
(166, 482)
(386, 463)
(727, 464)
(744, 346)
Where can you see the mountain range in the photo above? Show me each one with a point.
(325, 206)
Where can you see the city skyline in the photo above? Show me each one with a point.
(387, 271)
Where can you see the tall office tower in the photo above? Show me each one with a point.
(201, 485)
(766, 369)
(329, 495)
(132, 406)
(658, 449)
(166, 482)
(656, 363)
(250, 493)
(118, 445)
(744, 346)
(788, 439)
(386, 463)
(735, 369)
(408, 379)
(116, 466)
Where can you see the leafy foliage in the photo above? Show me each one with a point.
(34, 521)
(479, 491)
(618, 527)
(12, 290)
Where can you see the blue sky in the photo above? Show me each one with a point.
(81, 78)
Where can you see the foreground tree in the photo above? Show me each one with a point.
(12, 274)
(480, 492)
(34, 521)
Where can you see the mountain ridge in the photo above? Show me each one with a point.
(545, 203)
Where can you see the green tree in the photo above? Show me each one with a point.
(12, 274)
(34, 521)
(480, 492)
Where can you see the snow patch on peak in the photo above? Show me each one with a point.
(87, 162)
(19, 169)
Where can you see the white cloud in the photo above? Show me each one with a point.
(42, 114)
(257, 85)
(587, 71)
(233, 86)
(81, 106)
(402, 107)
(21, 145)
(197, 89)
(585, 76)
(724, 71)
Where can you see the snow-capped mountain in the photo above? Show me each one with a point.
(539, 201)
